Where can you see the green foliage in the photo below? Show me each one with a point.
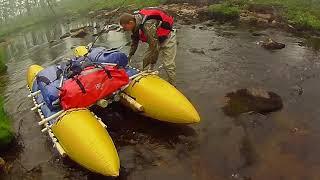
(6, 135)
(304, 20)
(224, 11)
(304, 14)
(3, 67)
(3, 58)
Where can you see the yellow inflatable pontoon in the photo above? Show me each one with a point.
(77, 133)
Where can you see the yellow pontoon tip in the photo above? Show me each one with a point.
(31, 74)
(162, 101)
(87, 142)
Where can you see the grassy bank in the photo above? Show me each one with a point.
(6, 135)
(3, 67)
(301, 14)
(67, 9)
(224, 11)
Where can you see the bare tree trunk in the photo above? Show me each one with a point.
(28, 7)
(50, 6)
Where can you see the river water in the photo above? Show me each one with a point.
(281, 145)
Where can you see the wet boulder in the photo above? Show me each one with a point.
(85, 28)
(252, 100)
(79, 34)
(65, 35)
(270, 44)
(203, 28)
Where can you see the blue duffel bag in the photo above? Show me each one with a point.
(48, 81)
(103, 55)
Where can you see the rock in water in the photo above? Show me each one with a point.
(252, 100)
(197, 51)
(65, 35)
(79, 34)
(77, 29)
(272, 45)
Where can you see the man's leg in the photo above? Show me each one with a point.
(146, 62)
(168, 54)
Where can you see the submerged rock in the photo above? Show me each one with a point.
(197, 51)
(252, 100)
(216, 49)
(272, 45)
(297, 90)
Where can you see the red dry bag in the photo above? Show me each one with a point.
(93, 84)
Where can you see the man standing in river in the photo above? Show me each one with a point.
(153, 26)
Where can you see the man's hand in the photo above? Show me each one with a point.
(129, 60)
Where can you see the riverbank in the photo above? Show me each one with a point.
(292, 15)
(3, 66)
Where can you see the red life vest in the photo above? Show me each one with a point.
(165, 27)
